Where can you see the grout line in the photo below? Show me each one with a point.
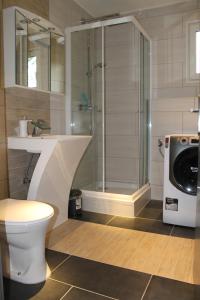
(60, 264)
(80, 288)
(172, 230)
(109, 221)
(146, 287)
(150, 219)
(66, 292)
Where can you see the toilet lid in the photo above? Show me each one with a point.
(24, 210)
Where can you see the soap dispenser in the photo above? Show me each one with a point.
(23, 127)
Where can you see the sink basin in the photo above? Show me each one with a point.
(54, 172)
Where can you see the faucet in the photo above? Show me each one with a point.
(38, 126)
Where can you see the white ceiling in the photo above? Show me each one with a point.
(98, 8)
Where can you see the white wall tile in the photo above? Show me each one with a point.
(121, 124)
(173, 104)
(167, 75)
(122, 146)
(164, 123)
(156, 192)
(190, 122)
(122, 169)
(157, 173)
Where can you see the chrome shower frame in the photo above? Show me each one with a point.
(68, 92)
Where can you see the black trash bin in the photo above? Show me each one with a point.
(75, 203)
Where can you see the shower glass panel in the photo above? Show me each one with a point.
(110, 101)
(121, 108)
(144, 109)
(86, 103)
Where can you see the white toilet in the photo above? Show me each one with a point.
(23, 226)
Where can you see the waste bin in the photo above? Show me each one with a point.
(75, 203)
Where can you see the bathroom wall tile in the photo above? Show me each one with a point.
(123, 101)
(173, 104)
(167, 75)
(4, 188)
(190, 122)
(3, 158)
(122, 169)
(157, 172)
(65, 14)
(57, 101)
(57, 121)
(172, 92)
(121, 124)
(163, 27)
(122, 146)
(169, 9)
(156, 192)
(121, 78)
(121, 56)
(164, 123)
(38, 7)
(169, 50)
(160, 51)
(155, 154)
(2, 100)
(119, 35)
(2, 123)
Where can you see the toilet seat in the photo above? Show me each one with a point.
(24, 212)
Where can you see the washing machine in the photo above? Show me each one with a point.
(180, 180)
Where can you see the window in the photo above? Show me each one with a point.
(193, 51)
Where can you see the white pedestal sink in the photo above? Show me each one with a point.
(55, 169)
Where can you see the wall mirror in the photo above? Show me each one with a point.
(39, 52)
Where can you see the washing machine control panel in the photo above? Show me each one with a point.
(188, 140)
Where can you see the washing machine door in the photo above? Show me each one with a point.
(185, 170)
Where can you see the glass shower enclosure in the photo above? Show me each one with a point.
(108, 97)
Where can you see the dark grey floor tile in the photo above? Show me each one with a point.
(184, 232)
(155, 204)
(147, 225)
(102, 278)
(50, 290)
(151, 213)
(77, 294)
(54, 258)
(94, 217)
(167, 289)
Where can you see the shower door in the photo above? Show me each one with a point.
(86, 103)
(104, 91)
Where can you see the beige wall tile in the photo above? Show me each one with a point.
(3, 189)
(36, 6)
